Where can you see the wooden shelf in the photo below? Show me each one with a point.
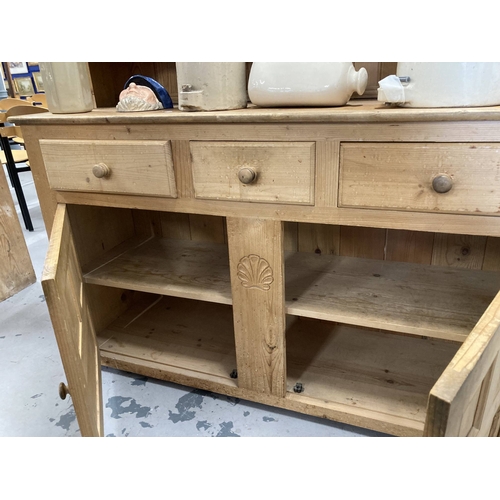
(178, 268)
(438, 302)
(376, 376)
(435, 301)
(172, 337)
(384, 379)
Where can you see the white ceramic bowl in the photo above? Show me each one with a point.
(304, 84)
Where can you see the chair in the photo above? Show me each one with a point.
(10, 102)
(39, 100)
(10, 158)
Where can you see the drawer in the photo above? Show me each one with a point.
(454, 178)
(266, 172)
(131, 167)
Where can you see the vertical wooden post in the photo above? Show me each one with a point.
(257, 282)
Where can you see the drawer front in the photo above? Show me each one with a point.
(454, 178)
(270, 172)
(131, 167)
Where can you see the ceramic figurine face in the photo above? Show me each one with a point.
(138, 98)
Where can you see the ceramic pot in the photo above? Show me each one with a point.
(67, 86)
(207, 86)
(305, 84)
(448, 84)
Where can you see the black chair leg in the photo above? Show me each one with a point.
(16, 183)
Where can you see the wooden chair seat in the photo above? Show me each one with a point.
(19, 155)
(39, 100)
(10, 102)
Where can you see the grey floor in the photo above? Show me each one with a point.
(31, 370)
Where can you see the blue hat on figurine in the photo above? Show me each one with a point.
(159, 90)
(132, 98)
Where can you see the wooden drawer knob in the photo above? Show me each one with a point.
(442, 183)
(63, 390)
(247, 175)
(101, 170)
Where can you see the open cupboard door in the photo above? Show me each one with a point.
(465, 401)
(66, 299)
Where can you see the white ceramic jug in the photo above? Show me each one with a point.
(211, 86)
(305, 84)
(442, 84)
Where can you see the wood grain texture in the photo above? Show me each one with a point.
(368, 243)
(175, 334)
(319, 239)
(458, 224)
(368, 372)
(257, 284)
(159, 125)
(73, 326)
(291, 236)
(46, 196)
(195, 270)
(439, 302)
(183, 170)
(349, 375)
(367, 111)
(358, 287)
(96, 233)
(409, 246)
(175, 225)
(284, 171)
(465, 399)
(400, 176)
(16, 269)
(327, 173)
(458, 250)
(97, 230)
(492, 255)
(136, 167)
(207, 228)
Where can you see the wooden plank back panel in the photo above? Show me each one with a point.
(364, 242)
(457, 250)
(207, 228)
(108, 78)
(319, 238)
(492, 255)
(409, 246)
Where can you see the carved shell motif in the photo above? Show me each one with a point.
(255, 272)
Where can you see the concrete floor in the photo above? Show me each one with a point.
(31, 370)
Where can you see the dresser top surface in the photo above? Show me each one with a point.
(355, 111)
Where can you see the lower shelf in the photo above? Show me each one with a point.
(378, 378)
(375, 380)
(173, 336)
